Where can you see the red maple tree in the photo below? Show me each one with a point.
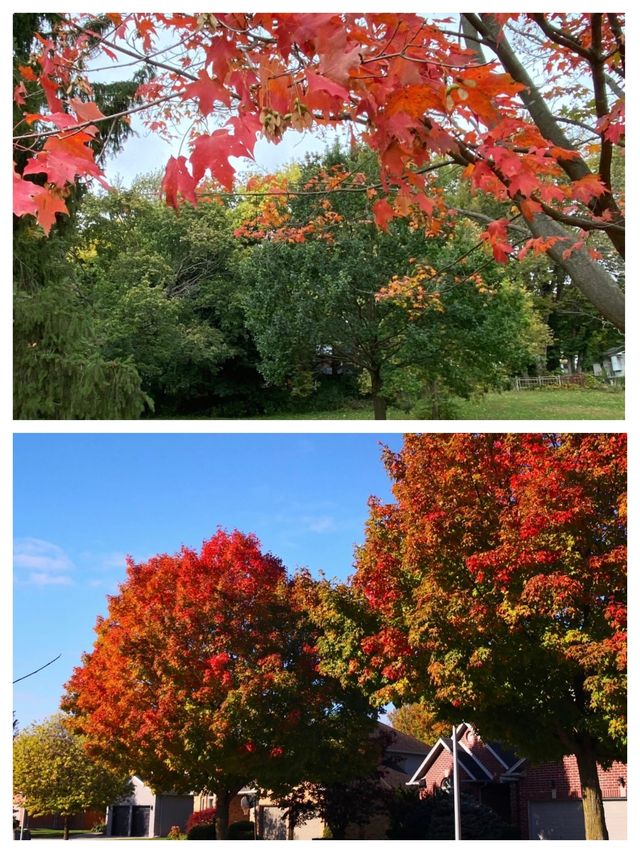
(204, 677)
(417, 90)
(498, 582)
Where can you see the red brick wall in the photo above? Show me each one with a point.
(442, 768)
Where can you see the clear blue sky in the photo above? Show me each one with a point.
(83, 502)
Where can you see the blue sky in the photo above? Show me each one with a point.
(83, 502)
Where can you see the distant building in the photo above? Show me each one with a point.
(611, 364)
(147, 815)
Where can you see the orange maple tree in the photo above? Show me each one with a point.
(418, 90)
(498, 581)
(204, 677)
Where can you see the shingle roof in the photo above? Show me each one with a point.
(506, 755)
(402, 742)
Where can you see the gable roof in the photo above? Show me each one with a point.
(472, 766)
(505, 756)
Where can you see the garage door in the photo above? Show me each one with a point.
(556, 821)
(615, 813)
(564, 820)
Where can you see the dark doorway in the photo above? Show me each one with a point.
(120, 823)
(140, 821)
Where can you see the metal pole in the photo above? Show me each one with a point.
(456, 787)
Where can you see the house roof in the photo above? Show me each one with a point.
(504, 755)
(468, 761)
(471, 765)
(401, 742)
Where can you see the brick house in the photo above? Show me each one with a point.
(403, 755)
(543, 800)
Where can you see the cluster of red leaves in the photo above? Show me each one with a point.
(412, 91)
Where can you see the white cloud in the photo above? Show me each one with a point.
(319, 523)
(41, 563)
(43, 579)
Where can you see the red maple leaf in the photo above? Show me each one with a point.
(206, 91)
(23, 195)
(178, 181)
(383, 213)
(212, 152)
(48, 203)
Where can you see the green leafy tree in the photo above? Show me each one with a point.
(60, 371)
(355, 292)
(53, 774)
(164, 291)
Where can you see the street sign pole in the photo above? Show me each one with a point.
(456, 787)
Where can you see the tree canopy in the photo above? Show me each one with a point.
(493, 590)
(204, 676)
(323, 280)
(53, 774)
(487, 92)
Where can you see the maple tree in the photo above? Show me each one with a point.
(415, 89)
(204, 677)
(494, 590)
(53, 775)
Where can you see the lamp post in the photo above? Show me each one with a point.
(456, 786)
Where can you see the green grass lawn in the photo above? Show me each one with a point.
(573, 404)
(562, 404)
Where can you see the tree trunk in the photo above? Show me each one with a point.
(379, 402)
(592, 279)
(595, 828)
(435, 402)
(223, 799)
(65, 828)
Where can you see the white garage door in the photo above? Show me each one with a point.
(564, 820)
(615, 813)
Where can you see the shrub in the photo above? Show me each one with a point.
(174, 833)
(99, 828)
(242, 830)
(202, 832)
(204, 816)
(432, 818)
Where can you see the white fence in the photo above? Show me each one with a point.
(525, 383)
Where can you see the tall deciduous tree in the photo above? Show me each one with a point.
(498, 582)
(323, 278)
(53, 774)
(204, 676)
(417, 89)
